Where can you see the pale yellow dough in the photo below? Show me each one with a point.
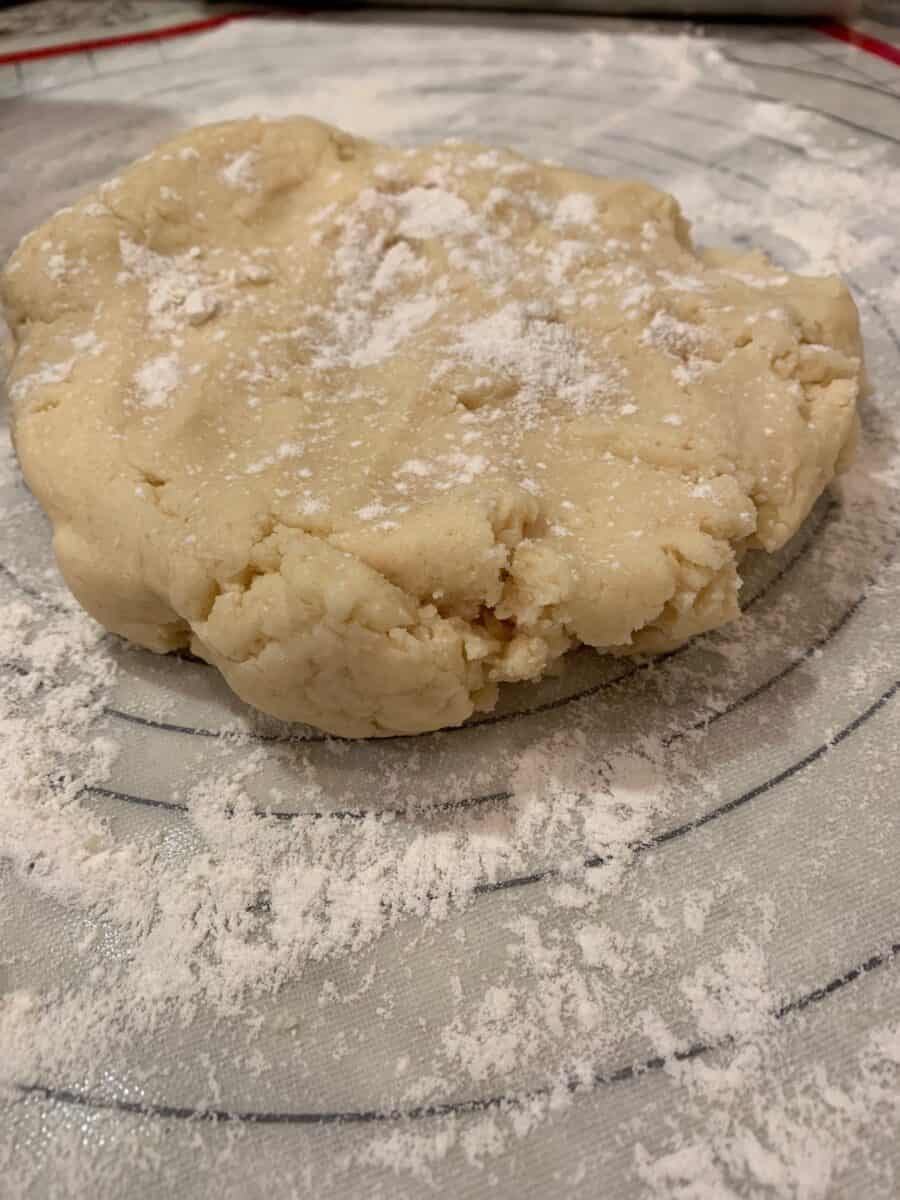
(375, 430)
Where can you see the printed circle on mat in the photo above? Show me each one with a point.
(676, 896)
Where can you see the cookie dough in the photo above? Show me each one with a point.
(374, 430)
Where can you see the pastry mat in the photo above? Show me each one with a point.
(635, 934)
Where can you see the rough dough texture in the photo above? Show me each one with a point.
(373, 430)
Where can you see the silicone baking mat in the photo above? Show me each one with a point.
(635, 933)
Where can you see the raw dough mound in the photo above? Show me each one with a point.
(373, 430)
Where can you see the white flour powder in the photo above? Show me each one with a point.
(369, 938)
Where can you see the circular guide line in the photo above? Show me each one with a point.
(172, 727)
(595, 861)
(624, 1074)
(501, 796)
(805, 72)
(715, 89)
(492, 718)
(822, 523)
(671, 835)
(827, 28)
(498, 718)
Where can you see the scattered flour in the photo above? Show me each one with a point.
(372, 941)
(177, 292)
(544, 355)
(156, 380)
(239, 172)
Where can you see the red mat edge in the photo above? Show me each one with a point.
(126, 39)
(860, 40)
(833, 29)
